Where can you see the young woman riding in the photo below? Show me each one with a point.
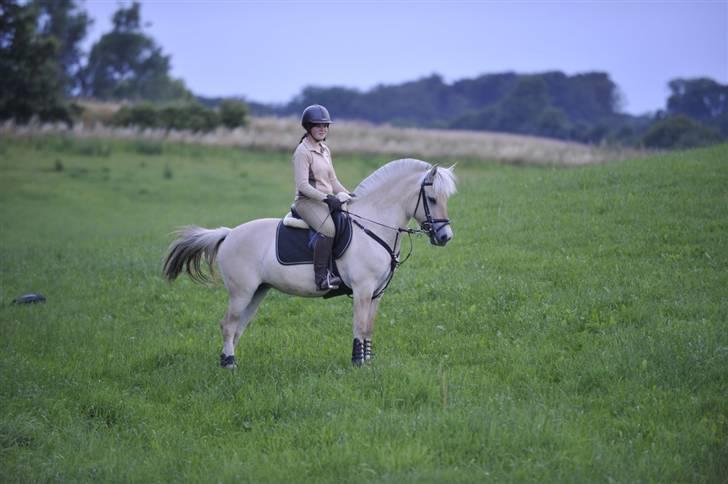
(318, 191)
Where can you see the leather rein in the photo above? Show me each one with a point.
(426, 227)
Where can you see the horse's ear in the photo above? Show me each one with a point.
(431, 174)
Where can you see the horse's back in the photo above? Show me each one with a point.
(248, 245)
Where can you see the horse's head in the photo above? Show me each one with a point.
(394, 185)
(431, 209)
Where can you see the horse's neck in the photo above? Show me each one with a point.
(387, 207)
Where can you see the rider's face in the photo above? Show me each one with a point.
(319, 131)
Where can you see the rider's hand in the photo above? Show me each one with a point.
(333, 203)
(343, 197)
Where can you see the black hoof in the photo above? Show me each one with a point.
(227, 361)
(357, 352)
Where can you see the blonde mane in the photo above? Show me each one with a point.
(444, 182)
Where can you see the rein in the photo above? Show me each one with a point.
(394, 256)
(426, 227)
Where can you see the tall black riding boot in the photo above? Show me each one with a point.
(325, 280)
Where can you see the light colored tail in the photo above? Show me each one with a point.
(191, 245)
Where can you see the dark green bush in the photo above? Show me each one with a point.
(189, 116)
(142, 115)
(148, 147)
(233, 114)
(679, 132)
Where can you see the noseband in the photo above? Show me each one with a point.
(429, 225)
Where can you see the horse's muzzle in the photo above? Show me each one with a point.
(441, 235)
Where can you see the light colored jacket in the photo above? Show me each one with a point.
(314, 172)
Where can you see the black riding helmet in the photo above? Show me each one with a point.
(315, 114)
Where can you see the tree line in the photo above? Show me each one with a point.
(43, 69)
(583, 107)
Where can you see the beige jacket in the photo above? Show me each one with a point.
(314, 172)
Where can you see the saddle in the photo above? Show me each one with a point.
(295, 239)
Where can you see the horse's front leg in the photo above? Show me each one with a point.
(362, 328)
(373, 307)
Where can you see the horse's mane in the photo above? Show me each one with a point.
(443, 183)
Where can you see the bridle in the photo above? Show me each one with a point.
(427, 226)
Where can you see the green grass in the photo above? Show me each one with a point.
(575, 330)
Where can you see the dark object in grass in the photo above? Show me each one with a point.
(29, 298)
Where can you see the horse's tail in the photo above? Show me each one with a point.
(188, 249)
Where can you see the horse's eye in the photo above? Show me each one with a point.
(432, 200)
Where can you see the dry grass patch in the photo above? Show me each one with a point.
(353, 137)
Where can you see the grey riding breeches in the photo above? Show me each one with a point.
(316, 214)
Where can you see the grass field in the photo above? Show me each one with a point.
(575, 330)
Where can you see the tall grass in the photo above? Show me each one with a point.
(356, 138)
(573, 331)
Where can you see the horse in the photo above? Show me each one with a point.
(381, 209)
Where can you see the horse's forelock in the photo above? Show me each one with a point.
(444, 182)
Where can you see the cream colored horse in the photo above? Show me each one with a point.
(384, 204)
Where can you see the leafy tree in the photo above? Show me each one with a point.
(702, 99)
(127, 64)
(679, 132)
(485, 90)
(67, 24)
(523, 105)
(30, 80)
(582, 107)
(552, 122)
(339, 100)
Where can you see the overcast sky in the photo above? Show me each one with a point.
(268, 51)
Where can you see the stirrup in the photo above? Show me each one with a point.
(330, 282)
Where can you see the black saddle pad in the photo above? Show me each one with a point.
(295, 246)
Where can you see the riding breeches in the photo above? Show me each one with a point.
(316, 214)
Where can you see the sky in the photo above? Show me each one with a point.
(268, 51)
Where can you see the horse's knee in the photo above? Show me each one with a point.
(228, 326)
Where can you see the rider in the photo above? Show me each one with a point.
(318, 192)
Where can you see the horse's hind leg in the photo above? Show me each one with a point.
(241, 310)
(249, 312)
